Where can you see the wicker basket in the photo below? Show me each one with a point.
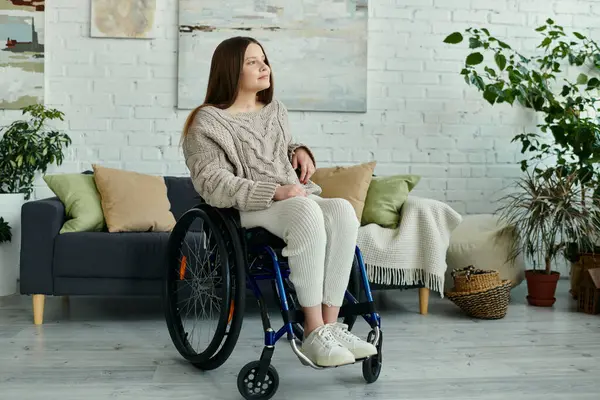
(470, 279)
(490, 303)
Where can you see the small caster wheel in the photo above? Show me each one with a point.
(250, 389)
(371, 367)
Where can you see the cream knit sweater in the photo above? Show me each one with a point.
(239, 160)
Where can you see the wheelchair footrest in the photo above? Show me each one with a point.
(363, 308)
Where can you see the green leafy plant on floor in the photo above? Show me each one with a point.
(26, 147)
(549, 217)
(567, 143)
(569, 111)
(5, 233)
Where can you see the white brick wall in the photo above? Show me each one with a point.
(119, 96)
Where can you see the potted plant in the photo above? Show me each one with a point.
(6, 285)
(5, 234)
(26, 148)
(548, 216)
(567, 141)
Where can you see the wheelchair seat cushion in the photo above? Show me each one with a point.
(262, 237)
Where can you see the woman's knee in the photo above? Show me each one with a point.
(342, 214)
(304, 214)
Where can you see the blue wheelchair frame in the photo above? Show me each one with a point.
(271, 337)
(278, 272)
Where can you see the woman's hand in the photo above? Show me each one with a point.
(307, 167)
(288, 191)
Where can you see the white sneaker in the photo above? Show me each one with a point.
(324, 350)
(358, 347)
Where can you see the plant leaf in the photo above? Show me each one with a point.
(500, 61)
(454, 38)
(474, 59)
(490, 95)
(474, 43)
(490, 71)
(582, 79)
(503, 45)
(593, 83)
(546, 42)
(579, 35)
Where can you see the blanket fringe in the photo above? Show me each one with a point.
(400, 277)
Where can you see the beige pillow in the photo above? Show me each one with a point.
(347, 182)
(133, 202)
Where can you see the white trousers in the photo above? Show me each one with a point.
(320, 236)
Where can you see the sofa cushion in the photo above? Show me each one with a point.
(111, 255)
(182, 194)
(81, 200)
(346, 182)
(132, 201)
(385, 198)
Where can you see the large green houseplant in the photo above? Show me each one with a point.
(548, 216)
(27, 147)
(566, 145)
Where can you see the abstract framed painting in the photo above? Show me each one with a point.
(22, 37)
(317, 48)
(129, 19)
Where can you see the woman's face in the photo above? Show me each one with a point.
(255, 74)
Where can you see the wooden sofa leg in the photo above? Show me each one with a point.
(38, 308)
(423, 300)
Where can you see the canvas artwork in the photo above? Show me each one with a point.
(133, 19)
(21, 53)
(317, 48)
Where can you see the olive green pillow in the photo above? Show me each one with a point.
(385, 197)
(81, 199)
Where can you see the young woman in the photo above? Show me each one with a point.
(238, 148)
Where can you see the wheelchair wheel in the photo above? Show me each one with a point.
(250, 389)
(204, 290)
(371, 367)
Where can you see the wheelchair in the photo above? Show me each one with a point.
(211, 262)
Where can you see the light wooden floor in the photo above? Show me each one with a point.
(119, 349)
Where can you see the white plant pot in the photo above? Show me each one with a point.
(10, 210)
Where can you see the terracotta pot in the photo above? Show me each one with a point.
(541, 287)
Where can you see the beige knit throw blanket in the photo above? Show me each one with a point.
(416, 250)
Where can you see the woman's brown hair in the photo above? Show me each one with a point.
(224, 78)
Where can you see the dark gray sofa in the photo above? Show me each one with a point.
(103, 263)
(93, 263)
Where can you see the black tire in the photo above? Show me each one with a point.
(354, 287)
(246, 384)
(226, 281)
(371, 367)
